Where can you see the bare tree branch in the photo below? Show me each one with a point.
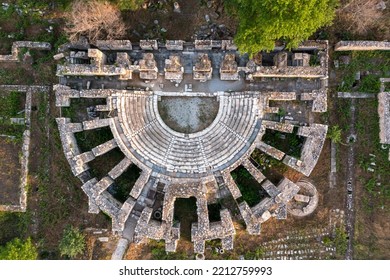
(95, 20)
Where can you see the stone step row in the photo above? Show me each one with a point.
(163, 147)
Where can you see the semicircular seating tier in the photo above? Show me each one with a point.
(141, 133)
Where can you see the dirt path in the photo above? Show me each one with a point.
(350, 183)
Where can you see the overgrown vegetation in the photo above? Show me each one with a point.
(159, 253)
(372, 159)
(335, 134)
(270, 167)
(290, 143)
(185, 213)
(72, 243)
(17, 249)
(14, 225)
(123, 185)
(251, 190)
(340, 241)
(372, 66)
(373, 197)
(125, 5)
(11, 106)
(264, 22)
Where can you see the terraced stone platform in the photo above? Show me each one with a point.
(187, 155)
(183, 165)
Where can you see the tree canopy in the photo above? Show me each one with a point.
(72, 242)
(334, 134)
(262, 22)
(17, 249)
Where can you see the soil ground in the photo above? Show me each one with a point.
(9, 171)
(179, 26)
(188, 114)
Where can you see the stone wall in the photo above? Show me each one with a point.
(362, 46)
(29, 90)
(16, 46)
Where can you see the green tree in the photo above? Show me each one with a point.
(17, 249)
(334, 134)
(132, 5)
(72, 242)
(263, 22)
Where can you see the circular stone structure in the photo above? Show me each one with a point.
(188, 114)
(305, 201)
(152, 142)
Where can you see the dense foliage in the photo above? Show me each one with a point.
(17, 249)
(263, 22)
(72, 242)
(334, 134)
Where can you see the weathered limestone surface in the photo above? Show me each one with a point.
(119, 221)
(384, 117)
(256, 173)
(223, 230)
(228, 45)
(253, 226)
(64, 94)
(231, 185)
(270, 188)
(106, 202)
(202, 70)
(87, 187)
(279, 96)
(140, 183)
(102, 185)
(163, 148)
(80, 162)
(362, 46)
(69, 145)
(287, 191)
(104, 148)
(16, 46)
(315, 137)
(319, 98)
(174, 69)
(303, 205)
(271, 151)
(119, 168)
(114, 45)
(229, 68)
(120, 249)
(96, 123)
(280, 60)
(148, 67)
(282, 127)
(176, 45)
(148, 44)
(301, 59)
